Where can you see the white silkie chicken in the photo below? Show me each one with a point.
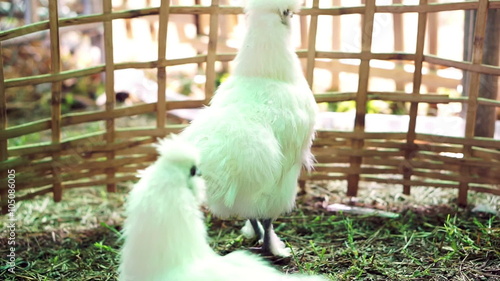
(256, 134)
(165, 235)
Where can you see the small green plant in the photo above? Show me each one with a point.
(457, 240)
(101, 246)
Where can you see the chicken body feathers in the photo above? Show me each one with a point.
(165, 233)
(253, 139)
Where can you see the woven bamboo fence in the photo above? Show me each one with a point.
(114, 155)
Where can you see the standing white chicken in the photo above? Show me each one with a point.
(165, 234)
(257, 132)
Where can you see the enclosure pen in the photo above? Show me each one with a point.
(113, 155)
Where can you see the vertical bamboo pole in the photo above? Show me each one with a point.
(485, 120)
(161, 109)
(433, 22)
(398, 41)
(310, 64)
(311, 48)
(361, 98)
(417, 82)
(398, 29)
(3, 139)
(304, 40)
(212, 50)
(336, 39)
(472, 105)
(110, 91)
(56, 96)
(303, 33)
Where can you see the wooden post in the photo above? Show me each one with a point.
(399, 41)
(311, 46)
(473, 90)
(161, 110)
(417, 82)
(488, 85)
(56, 96)
(336, 40)
(361, 98)
(212, 50)
(110, 92)
(433, 34)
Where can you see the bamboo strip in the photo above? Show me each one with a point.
(42, 34)
(417, 82)
(397, 96)
(334, 97)
(360, 135)
(350, 55)
(476, 141)
(470, 120)
(485, 190)
(55, 124)
(362, 95)
(400, 96)
(362, 170)
(323, 177)
(33, 194)
(398, 74)
(385, 73)
(110, 90)
(486, 154)
(421, 169)
(53, 77)
(45, 78)
(77, 118)
(133, 170)
(112, 181)
(311, 48)
(425, 164)
(332, 159)
(439, 184)
(413, 164)
(73, 156)
(479, 68)
(455, 177)
(398, 9)
(376, 144)
(413, 98)
(438, 148)
(318, 142)
(15, 163)
(469, 161)
(212, 50)
(149, 150)
(98, 168)
(47, 149)
(161, 71)
(361, 153)
(157, 132)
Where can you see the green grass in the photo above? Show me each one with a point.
(78, 239)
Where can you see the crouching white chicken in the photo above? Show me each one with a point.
(256, 134)
(165, 235)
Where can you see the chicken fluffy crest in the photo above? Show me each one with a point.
(165, 236)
